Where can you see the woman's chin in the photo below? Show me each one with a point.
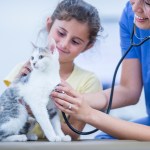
(143, 25)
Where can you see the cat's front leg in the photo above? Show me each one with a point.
(57, 127)
(42, 118)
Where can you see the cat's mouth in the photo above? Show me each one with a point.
(35, 67)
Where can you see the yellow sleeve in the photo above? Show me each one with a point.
(12, 75)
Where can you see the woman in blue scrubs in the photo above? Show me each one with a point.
(135, 76)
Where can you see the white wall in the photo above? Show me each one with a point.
(20, 20)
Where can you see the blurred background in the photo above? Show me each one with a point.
(20, 21)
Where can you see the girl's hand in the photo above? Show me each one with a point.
(26, 69)
(70, 102)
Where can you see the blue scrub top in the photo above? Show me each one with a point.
(142, 53)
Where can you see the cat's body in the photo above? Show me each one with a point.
(36, 88)
(13, 116)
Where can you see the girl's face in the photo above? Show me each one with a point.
(72, 38)
(141, 9)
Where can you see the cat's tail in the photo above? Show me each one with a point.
(3, 134)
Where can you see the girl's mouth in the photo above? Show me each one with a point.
(61, 50)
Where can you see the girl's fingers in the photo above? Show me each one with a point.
(27, 66)
(26, 69)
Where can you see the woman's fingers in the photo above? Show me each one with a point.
(67, 111)
(65, 106)
(63, 97)
(66, 88)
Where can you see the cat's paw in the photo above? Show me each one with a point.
(55, 139)
(15, 138)
(66, 138)
(32, 137)
(22, 138)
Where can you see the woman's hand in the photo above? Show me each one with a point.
(70, 102)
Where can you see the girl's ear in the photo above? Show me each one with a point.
(48, 24)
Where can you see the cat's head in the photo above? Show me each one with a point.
(43, 58)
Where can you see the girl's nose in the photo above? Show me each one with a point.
(64, 42)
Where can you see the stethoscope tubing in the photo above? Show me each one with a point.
(132, 44)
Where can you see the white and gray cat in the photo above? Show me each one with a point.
(34, 89)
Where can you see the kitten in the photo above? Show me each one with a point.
(36, 90)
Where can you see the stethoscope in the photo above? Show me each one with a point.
(132, 44)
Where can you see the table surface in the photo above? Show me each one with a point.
(76, 145)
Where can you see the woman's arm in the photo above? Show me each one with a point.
(126, 93)
(82, 111)
(129, 90)
(118, 128)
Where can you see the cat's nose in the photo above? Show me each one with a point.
(34, 64)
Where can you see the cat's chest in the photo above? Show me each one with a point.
(43, 80)
(40, 85)
(43, 87)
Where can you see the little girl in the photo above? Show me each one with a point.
(74, 25)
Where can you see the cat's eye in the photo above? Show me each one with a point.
(32, 58)
(41, 56)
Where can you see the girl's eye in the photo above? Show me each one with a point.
(41, 56)
(32, 58)
(75, 42)
(147, 2)
(61, 33)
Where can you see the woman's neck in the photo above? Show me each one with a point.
(66, 70)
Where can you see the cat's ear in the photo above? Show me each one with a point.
(34, 46)
(51, 45)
